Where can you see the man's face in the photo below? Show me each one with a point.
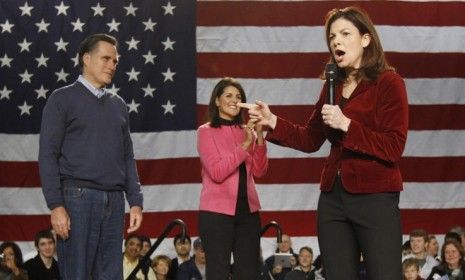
(133, 247)
(285, 245)
(46, 247)
(183, 249)
(100, 64)
(418, 244)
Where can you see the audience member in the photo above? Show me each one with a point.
(305, 261)
(452, 266)
(411, 270)
(277, 272)
(406, 249)
(131, 255)
(183, 250)
(433, 247)
(11, 263)
(43, 266)
(161, 265)
(194, 268)
(461, 232)
(419, 243)
(146, 245)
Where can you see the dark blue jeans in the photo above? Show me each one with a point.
(93, 249)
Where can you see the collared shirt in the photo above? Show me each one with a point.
(129, 266)
(99, 92)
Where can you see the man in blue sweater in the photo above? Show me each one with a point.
(87, 164)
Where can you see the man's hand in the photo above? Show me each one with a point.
(61, 222)
(135, 218)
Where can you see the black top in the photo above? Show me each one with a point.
(242, 205)
(36, 269)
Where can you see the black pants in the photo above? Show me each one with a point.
(352, 223)
(222, 235)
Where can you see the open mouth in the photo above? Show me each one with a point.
(339, 53)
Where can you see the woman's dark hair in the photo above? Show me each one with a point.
(90, 43)
(373, 61)
(16, 251)
(213, 115)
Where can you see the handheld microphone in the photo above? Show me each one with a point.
(331, 75)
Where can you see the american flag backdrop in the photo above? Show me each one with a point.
(172, 52)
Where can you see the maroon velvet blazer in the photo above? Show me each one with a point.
(368, 155)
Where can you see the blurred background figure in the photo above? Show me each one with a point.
(11, 263)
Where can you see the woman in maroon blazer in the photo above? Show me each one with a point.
(358, 208)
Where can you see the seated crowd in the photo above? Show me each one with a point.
(422, 259)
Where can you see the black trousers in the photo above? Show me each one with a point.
(350, 224)
(222, 235)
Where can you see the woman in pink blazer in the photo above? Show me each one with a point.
(231, 155)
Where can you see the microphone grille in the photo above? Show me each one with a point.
(331, 71)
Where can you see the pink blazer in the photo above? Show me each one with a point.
(220, 155)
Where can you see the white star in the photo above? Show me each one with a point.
(25, 109)
(6, 27)
(130, 10)
(77, 25)
(132, 44)
(26, 77)
(113, 89)
(41, 92)
(132, 75)
(168, 9)
(5, 60)
(42, 60)
(168, 44)
(113, 25)
(149, 24)
(98, 10)
(62, 9)
(148, 90)
(168, 107)
(26, 9)
(61, 75)
(133, 106)
(5, 93)
(168, 75)
(149, 57)
(42, 25)
(75, 60)
(61, 45)
(24, 45)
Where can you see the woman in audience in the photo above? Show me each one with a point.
(161, 265)
(452, 266)
(11, 262)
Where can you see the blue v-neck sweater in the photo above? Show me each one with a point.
(85, 142)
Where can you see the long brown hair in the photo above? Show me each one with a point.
(373, 61)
